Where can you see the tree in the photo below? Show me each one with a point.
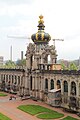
(72, 66)
(10, 64)
(63, 66)
(21, 62)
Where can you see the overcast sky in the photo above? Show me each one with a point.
(20, 18)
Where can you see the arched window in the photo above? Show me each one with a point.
(58, 84)
(4, 76)
(73, 88)
(65, 86)
(52, 84)
(46, 84)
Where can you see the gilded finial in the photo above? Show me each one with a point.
(41, 16)
(41, 21)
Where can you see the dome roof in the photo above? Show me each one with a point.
(41, 37)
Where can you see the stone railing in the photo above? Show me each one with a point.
(66, 72)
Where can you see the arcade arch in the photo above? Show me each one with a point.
(46, 84)
(65, 85)
(52, 84)
(58, 84)
(73, 88)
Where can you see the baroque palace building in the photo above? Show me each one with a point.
(43, 79)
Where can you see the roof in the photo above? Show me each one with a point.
(54, 90)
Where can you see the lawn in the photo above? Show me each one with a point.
(51, 115)
(3, 117)
(43, 113)
(2, 94)
(69, 118)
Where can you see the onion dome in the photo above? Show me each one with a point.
(41, 37)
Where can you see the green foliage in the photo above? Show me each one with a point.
(3, 117)
(10, 64)
(45, 113)
(63, 66)
(2, 94)
(69, 118)
(72, 66)
(52, 115)
(21, 62)
(33, 109)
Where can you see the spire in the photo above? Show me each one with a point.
(41, 25)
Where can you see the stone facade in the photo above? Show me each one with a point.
(40, 57)
(12, 77)
(40, 77)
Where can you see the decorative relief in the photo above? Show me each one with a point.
(72, 77)
(30, 49)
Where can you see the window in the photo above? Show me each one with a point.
(58, 84)
(52, 84)
(4, 77)
(65, 86)
(46, 84)
(73, 88)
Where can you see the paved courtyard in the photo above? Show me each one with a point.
(9, 108)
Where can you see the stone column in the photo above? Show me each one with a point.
(45, 67)
(52, 60)
(20, 80)
(33, 83)
(36, 87)
(43, 86)
(42, 83)
(36, 83)
(26, 81)
(55, 84)
(49, 81)
(27, 84)
(62, 87)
